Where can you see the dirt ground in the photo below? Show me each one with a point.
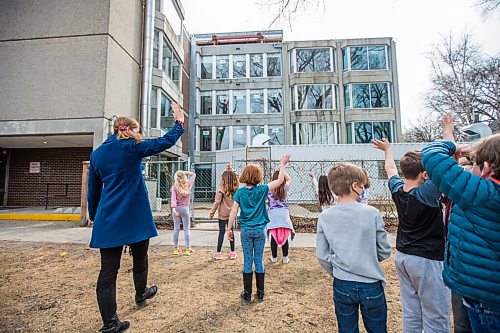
(51, 288)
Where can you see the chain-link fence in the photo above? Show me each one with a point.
(303, 204)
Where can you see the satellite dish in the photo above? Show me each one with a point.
(476, 131)
(260, 140)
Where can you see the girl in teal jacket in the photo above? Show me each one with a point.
(119, 206)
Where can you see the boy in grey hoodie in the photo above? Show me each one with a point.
(351, 241)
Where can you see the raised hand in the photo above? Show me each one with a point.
(177, 112)
(383, 144)
(285, 159)
(448, 127)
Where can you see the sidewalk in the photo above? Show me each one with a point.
(71, 232)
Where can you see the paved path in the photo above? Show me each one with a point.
(71, 232)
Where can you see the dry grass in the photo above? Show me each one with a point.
(44, 291)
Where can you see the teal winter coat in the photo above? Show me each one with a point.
(117, 195)
(472, 256)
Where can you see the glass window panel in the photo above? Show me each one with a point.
(274, 101)
(173, 17)
(359, 58)
(294, 134)
(167, 58)
(239, 136)
(153, 113)
(276, 135)
(292, 94)
(239, 101)
(206, 102)
(305, 134)
(254, 130)
(158, 5)
(379, 95)
(376, 55)
(166, 118)
(313, 60)
(205, 138)
(315, 97)
(222, 98)
(360, 95)
(382, 130)
(347, 97)
(175, 70)
(256, 101)
(256, 66)
(222, 67)
(221, 138)
(345, 61)
(363, 132)
(239, 65)
(274, 64)
(206, 67)
(327, 133)
(349, 132)
(156, 48)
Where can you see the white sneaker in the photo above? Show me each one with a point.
(286, 260)
(273, 259)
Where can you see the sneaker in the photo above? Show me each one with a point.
(188, 251)
(273, 259)
(232, 255)
(286, 260)
(218, 256)
(177, 251)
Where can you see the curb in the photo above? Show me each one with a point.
(40, 217)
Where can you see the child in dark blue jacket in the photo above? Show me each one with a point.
(119, 206)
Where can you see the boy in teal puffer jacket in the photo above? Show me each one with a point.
(472, 258)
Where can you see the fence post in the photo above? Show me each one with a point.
(83, 199)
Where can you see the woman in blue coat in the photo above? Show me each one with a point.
(119, 206)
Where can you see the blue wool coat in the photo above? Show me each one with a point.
(472, 255)
(117, 195)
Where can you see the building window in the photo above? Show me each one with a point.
(365, 132)
(156, 48)
(170, 63)
(256, 101)
(372, 57)
(222, 67)
(175, 70)
(239, 136)
(239, 65)
(256, 130)
(205, 138)
(221, 138)
(153, 112)
(316, 133)
(206, 102)
(222, 98)
(166, 118)
(274, 64)
(256, 66)
(314, 97)
(276, 135)
(239, 101)
(313, 60)
(274, 101)
(158, 5)
(206, 67)
(365, 95)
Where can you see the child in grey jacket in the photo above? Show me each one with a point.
(351, 241)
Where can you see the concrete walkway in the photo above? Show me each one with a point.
(71, 232)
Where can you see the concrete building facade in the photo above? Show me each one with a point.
(67, 69)
(300, 93)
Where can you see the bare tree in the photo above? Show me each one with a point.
(285, 10)
(464, 82)
(427, 129)
(487, 6)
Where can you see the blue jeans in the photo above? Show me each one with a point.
(349, 296)
(483, 318)
(252, 242)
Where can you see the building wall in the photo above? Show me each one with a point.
(62, 165)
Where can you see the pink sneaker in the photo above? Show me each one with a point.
(232, 255)
(218, 256)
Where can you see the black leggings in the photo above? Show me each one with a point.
(222, 231)
(274, 248)
(110, 262)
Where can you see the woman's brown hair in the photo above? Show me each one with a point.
(123, 128)
(279, 193)
(251, 175)
(229, 183)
